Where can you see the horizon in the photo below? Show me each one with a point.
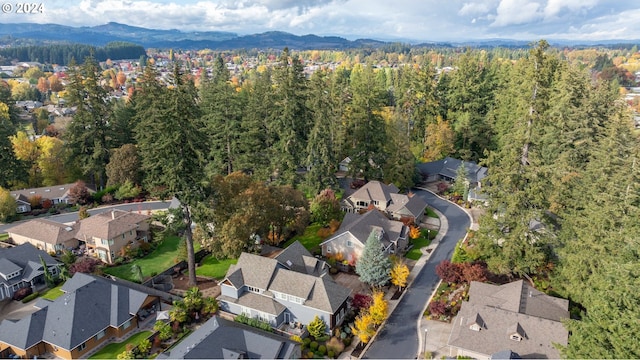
(405, 21)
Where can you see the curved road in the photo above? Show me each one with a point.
(73, 216)
(399, 337)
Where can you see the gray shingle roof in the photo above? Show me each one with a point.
(265, 273)
(25, 257)
(222, 339)
(508, 309)
(449, 166)
(360, 226)
(297, 258)
(25, 332)
(45, 230)
(89, 305)
(47, 192)
(257, 302)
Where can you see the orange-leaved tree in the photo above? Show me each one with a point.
(399, 274)
(414, 232)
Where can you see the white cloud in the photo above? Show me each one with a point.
(554, 7)
(474, 9)
(515, 12)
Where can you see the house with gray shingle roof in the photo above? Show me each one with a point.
(57, 194)
(514, 318)
(20, 267)
(385, 198)
(280, 293)
(223, 339)
(348, 242)
(90, 312)
(447, 170)
(44, 234)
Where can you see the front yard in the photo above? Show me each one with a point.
(424, 240)
(53, 293)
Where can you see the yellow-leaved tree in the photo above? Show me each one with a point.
(379, 308)
(414, 232)
(363, 327)
(399, 274)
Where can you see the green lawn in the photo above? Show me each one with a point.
(430, 213)
(158, 261)
(4, 236)
(215, 268)
(53, 293)
(419, 243)
(309, 239)
(111, 351)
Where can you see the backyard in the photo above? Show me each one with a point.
(310, 239)
(163, 257)
(112, 350)
(214, 268)
(53, 293)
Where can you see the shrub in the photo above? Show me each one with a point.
(335, 345)
(144, 346)
(322, 350)
(86, 265)
(313, 346)
(30, 297)
(22, 293)
(449, 272)
(306, 342)
(310, 355)
(296, 338)
(317, 327)
(346, 341)
(361, 301)
(331, 354)
(437, 308)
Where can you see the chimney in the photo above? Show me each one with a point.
(113, 215)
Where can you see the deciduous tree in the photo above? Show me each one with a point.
(399, 274)
(7, 205)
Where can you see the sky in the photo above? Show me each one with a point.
(406, 20)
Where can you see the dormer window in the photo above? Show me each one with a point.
(475, 327)
(515, 337)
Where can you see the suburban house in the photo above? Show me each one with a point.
(45, 235)
(108, 233)
(20, 267)
(385, 198)
(57, 194)
(91, 311)
(348, 241)
(290, 293)
(513, 318)
(223, 339)
(446, 169)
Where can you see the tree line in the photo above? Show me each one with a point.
(62, 54)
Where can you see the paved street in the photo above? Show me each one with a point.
(399, 337)
(73, 216)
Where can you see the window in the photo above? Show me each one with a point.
(123, 236)
(349, 243)
(104, 242)
(253, 289)
(126, 324)
(329, 249)
(375, 202)
(82, 346)
(130, 232)
(100, 335)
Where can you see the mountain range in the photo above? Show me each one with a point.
(39, 34)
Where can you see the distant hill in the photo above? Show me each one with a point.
(152, 38)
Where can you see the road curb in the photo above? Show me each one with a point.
(417, 268)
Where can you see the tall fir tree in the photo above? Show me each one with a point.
(173, 147)
(89, 136)
(374, 266)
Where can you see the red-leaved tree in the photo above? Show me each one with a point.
(361, 301)
(449, 272)
(79, 193)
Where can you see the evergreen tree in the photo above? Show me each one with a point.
(13, 170)
(221, 115)
(321, 159)
(374, 266)
(173, 147)
(89, 136)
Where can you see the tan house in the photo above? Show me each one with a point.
(44, 234)
(107, 233)
(385, 198)
(91, 311)
(514, 319)
(348, 242)
(57, 194)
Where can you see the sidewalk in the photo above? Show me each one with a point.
(426, 254)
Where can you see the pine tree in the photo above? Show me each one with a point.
(374, 266)
(317, 327)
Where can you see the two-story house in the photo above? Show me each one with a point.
(108, 233)
(294, 291)
(21, 267)
(91, 311)
(349, 240)
(387, 199)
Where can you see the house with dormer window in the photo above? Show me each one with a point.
(514, 319)
(292, 288)
(387, 199)
(20, 267)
